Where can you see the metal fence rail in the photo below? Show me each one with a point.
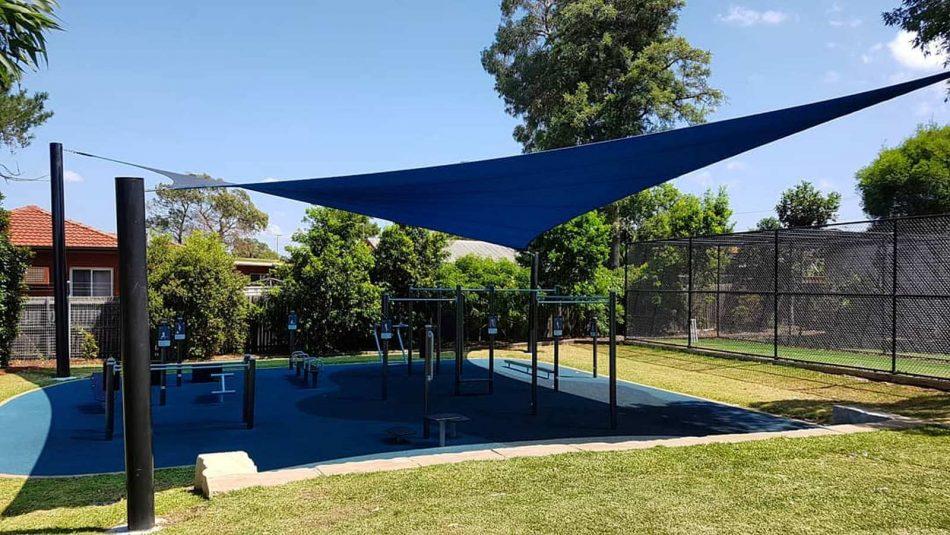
(871, 295)
(97, 316)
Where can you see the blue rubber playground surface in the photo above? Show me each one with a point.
(59, 430)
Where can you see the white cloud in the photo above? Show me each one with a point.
(845, 23)
(743, 16)
(903, 51)
(273, 230)
(831, 77)
(736, 165)
(872, 53)
(72, 176)
(270, 179)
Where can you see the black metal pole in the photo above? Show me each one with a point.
(557, 360)
(250, 387)
(533, 332)
(409, 335)
(894, 300)
(491, 342)
(775, 298)
(60, 294)
(427, 377)
(689, 292)
(438, 337)
(108, 384)
(718, 255)
(136, 414)
(459, 337)
(594, 336)
(385, 343)
(612, 357)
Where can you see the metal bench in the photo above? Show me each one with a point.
(445, 419)
(521, 366)
(399, 435)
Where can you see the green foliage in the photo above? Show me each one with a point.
(13, 263)
(228, 213)
(570, 254)
(327, 281)
(252, 248)
(589, 70)
(804, 206)
(88, 346)
(664, 212)
(768, 223)
(407, 257)
(911, 179)
(197, 281)
(23, 24)
(471, 271)
(19, 114)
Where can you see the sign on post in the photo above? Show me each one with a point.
(180, 329)
(493, 325)
(386, 329)
(292, 321)
(558, 326)
(593, 328)
(164, 335)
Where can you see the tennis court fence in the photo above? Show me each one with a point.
(870, 295)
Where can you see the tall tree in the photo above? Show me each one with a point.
(804, 206)
(910, 179)
(768, 223)
(253, 248)
(580, 71)
(407, 257)
(929, 20)
(570, 254)
(230, 214)
(13, 263)
(327, 281)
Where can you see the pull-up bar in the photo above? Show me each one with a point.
(421, 299)
(486, 290)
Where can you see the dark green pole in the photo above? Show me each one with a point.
(612, 358)
(459, 337)
(533, 332)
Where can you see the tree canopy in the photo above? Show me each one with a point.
(803, 205)
(910, 179)
(230, 214)
(407, 257)
(13, 263)
(929, 20)
(23, 27)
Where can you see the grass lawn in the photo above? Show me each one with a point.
(871, 482)
(934, 365)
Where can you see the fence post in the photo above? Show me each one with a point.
(612, 358)
(894, 298)
(108, 386)
(775, 298)
(718, 256)
(689, 293)
(250, 386)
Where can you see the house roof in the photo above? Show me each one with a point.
(459, 248)
(32, 226)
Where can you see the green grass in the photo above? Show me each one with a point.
(871, 482)
(934, 365)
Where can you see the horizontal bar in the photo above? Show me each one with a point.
(484, 290)
(421, 299)
(572, 302)
(887, 295)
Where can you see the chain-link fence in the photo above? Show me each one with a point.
(93, 328)
(871, 295)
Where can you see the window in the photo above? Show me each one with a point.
(36, 275)
(94, 282)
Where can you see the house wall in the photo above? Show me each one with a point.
(89, 258)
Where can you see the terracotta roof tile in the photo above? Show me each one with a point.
(31, 226)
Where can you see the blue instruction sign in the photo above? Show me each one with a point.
(492, 324)
(558, 325)
(593, 328)
(292, 321)
(180, 329)
(386, 330)
(164, 335)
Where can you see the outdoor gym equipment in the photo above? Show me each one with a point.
(559, 301)
(111, 373)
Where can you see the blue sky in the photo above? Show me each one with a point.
(254, 90)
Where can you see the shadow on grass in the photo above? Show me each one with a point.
(45, 494)
(934, 407)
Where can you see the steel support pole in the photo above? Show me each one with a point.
(491, 342)
(250, 388)
(595, 353)
(689, 293)
(438, 337)
(427, 370)
(136, 414)
(108, 385)
(60, 293)
(385, 375)
(459, 337)
(533, 332)
(612, 358)
(718, 265)
(775, 297)
(894, 299)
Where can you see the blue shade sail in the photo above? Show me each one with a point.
(510, 201)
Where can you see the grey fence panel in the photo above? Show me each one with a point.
(872, 295)
(97, 316)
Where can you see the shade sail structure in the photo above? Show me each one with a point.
(511, 200)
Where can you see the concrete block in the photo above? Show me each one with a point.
(847, 414)
(213, 465)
